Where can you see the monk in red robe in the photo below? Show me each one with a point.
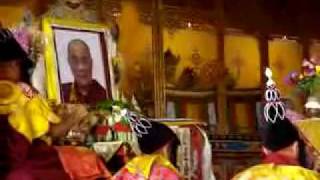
(21, 157)
(285, 156)
(26, 120)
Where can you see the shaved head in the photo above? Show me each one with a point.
(78, 42)
(80, 61)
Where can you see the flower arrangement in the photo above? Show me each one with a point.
(31, 40)
(112, 121)
(308, 80)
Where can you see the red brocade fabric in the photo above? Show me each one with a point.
(22, 160)
(82, 163)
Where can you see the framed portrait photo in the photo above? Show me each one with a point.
(78, 63)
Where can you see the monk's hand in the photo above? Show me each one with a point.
(71, 116)
(77, 113)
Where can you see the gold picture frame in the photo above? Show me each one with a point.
(102, 41)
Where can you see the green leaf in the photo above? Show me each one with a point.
(108, 105)
(309, 85)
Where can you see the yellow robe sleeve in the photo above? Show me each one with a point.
(277, 172)
(33, 118)
(29, 116)
(144, 163)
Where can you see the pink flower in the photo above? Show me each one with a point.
(292, 78)
(22, 35)
(315, 61)
(308, 68)
(293, 116)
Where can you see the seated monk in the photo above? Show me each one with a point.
(23, 155)
(159, 146)
(284, 157)
(25, 119)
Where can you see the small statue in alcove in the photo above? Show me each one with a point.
(187, 78)
(171, 62)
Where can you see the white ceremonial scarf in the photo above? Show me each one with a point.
(38, 78)
(207, 173)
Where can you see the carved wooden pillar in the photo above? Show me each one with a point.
(264, 55)
(158, 63)
(305, 47)
(223, 124)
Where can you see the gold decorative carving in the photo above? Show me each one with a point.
(110, 10)
(74, 9)
(180, 18)
(153, 13)
(173, 17)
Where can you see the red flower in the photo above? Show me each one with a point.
(102, 129)
(121, 127)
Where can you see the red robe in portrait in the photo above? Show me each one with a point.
(96, 93)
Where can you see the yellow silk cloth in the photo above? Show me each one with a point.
(310, 130)
(277, 172)
(143, 164)
(28, 116)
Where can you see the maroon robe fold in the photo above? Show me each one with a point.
(22, 160)
(96, 93)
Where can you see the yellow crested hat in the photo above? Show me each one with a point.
(10, 94)
(29, 116)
